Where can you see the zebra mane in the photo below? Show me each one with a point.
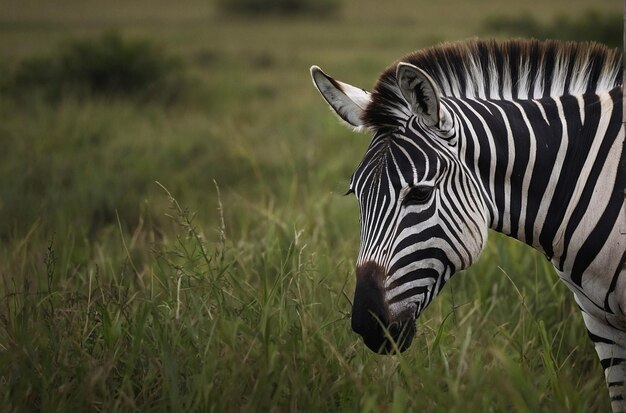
(511, 70)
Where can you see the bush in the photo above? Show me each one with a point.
(106, 66)
(604, 28)
(279, 7)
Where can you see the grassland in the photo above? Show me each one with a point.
(226, 286)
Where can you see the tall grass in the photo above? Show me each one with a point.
(260, 322)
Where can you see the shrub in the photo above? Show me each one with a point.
(105, 66)
(316, 8)
(592, 25)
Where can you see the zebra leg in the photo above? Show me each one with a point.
(610, 343)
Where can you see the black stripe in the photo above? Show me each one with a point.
(548, 139)
(430, 253)
(598, 339)
(521, 155)
(419, 274)
(553, 134)
(411, 292)
(614, 361)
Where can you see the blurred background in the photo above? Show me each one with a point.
(99, 101)
(173, 234)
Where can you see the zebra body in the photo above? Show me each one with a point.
(523, 137)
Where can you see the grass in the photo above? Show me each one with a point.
(118, 293)
(591, 25)
(279, 7)
(105, 66)
(260, 322)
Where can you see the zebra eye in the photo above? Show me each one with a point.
(417, 195)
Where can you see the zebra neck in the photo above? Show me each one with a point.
(539, 163)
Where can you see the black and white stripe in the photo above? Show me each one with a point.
(526, 139)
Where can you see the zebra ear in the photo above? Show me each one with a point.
(420, 92)
(347, 101)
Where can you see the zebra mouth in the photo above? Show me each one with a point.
(385, 328)
(384, 337)
(396, 338)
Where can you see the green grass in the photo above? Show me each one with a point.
(259, 321)
(604, 28)
(116, 297)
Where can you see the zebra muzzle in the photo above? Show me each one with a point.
(371, 317)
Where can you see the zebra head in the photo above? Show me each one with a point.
(423, 216)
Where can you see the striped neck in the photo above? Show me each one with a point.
(537, 162)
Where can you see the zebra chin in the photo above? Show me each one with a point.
(371, 318)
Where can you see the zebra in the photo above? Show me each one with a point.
(520, 136)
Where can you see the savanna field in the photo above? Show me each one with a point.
(173, 235)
